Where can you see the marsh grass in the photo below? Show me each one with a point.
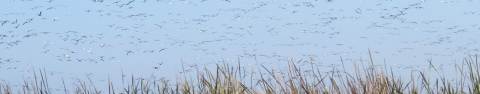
(236, 79)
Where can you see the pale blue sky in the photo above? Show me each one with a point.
(204, 33)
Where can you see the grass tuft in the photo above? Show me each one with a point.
(237, 79)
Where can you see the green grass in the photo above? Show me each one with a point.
(236, 79)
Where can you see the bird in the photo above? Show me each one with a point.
(55, 19)
(129, 51)
(67, 56)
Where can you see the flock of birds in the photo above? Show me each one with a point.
(153, 35)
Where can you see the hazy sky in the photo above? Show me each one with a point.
(73, 38)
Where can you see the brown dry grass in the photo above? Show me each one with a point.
(234, 79)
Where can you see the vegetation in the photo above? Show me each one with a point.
(235, 79)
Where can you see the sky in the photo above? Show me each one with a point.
(76, 39)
